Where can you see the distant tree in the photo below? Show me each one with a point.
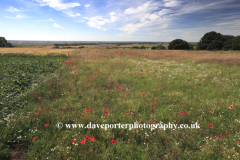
(211, 41)
(142, 47)
(191, 46)
(4, 43)
(154, 47)
(236, 43)
(178, 44)
(160, 47)
(135, 47)
(228, 41)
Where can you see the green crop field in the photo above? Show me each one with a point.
(112, 90)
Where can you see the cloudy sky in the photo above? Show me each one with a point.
(117, 20)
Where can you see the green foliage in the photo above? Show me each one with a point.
(214, 41)
(4, 43)
(191, 46)
(158, 47)
(81, 47)
(135, 47)
(142, 47)
(178, 44)
(19, 72)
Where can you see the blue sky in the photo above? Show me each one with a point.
(117, 20)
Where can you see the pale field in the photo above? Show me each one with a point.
(229, 58)
(218, 57)
(37, 51)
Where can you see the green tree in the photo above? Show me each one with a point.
(160, 47)
(135, 47)
(211, 41)
(154, 47)
(3, 42)
(236, 43)
(191, 46)
(228, 41)
(178, 44)
(142, 47)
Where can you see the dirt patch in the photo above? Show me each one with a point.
(18, 153)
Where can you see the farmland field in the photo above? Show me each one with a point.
(112, 86)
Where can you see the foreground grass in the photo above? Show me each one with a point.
(131, 90)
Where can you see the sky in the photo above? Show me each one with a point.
(117, 20)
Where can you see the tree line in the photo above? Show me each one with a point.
(211, 41)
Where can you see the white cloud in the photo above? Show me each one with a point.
(17, 17)
(171, 3)
(71, 14)
(50, 19)
(98, 21)
(11, 9)
(141, 8)
(87, 5)
(164, 11)
(57, 4)
(57, 26)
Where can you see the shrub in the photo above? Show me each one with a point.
(178, 44)
(142, 47)
(135, 47)
(154, 47)
(160, 47)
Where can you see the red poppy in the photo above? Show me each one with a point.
(46, 125)
(228, 134)
(35, 138)
(219, 137)
(127, 111)
(37, 113)
(39, 97)
(153, 106)
(49, 85)
(40, 103)
(92, 138)
(73, 141)
(87, 137)
(83, 116)
(82, 141)
(113, 142)
(106, 112)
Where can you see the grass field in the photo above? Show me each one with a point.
(128, 86)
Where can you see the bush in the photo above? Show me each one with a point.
(160, 47)
(142, 47)
(135, 47)
(81, 47)
(178, 44)
(154, 47)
